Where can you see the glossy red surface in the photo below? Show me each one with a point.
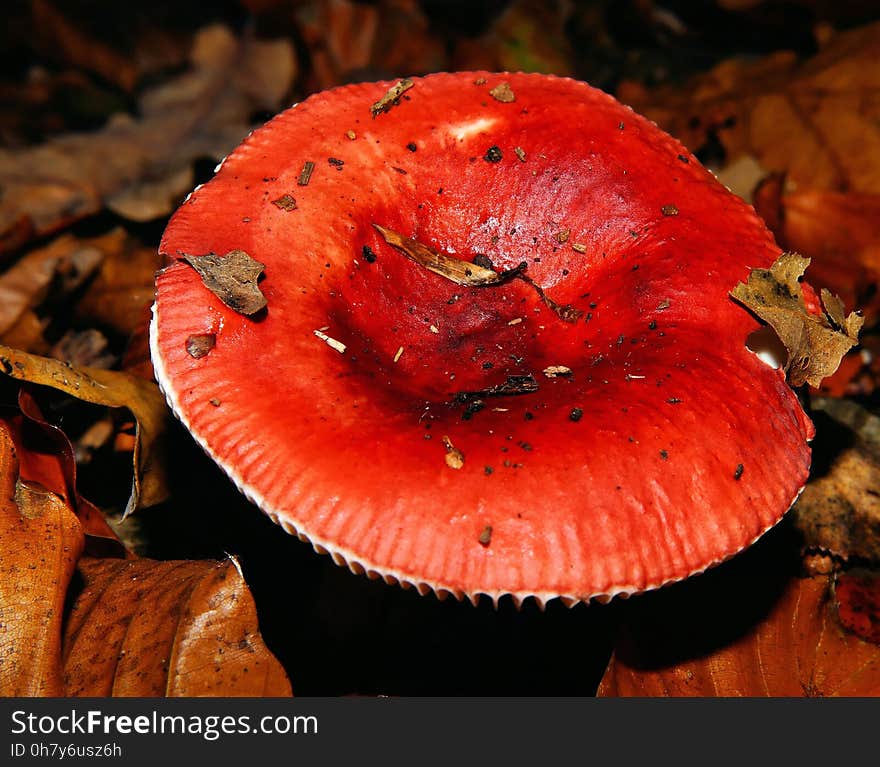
(347, 448)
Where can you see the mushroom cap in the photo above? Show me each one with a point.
(667, 448)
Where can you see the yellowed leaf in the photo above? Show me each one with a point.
(815, 345)
(113, 389)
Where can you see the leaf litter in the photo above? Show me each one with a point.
(815, 342)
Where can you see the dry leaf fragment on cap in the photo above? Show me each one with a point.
(391, 97)
(503, 93)
(815, 342)
(232, 278)
(454, 269)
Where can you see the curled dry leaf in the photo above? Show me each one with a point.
(232, 278)
(839, 509)
(815, 342)
(140, 168)
(46, 459)
(179, 628)
(123, 626)
(816, 121)
(40, 541)
(113, 389)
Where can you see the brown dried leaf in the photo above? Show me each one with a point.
(454, 269)
(40, 541)
(796, 648)
(232, 278)
(839, 232)
(839, 509)
(815, 348)
(205, 111)
(350, 41)
(63, 265)
(179, 628)
(113, 389)
(123, 286)
(817, 121)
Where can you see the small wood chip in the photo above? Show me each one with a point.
(520, 152)
(454, 456)
(285, 202)
(399, 352)
(669, 210)
(306, 173)
(563, 235)
(200, 345)
(503, 93)
(331, 342)
(579, 247)
(434, 329)
(554, 371)
(515, 321)
(391, 97)
(215, 402)
(486, 536)
(232, 278)
(664, 304)
(350, 135)
(480, 81)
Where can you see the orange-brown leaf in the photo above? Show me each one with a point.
(40, 542)
(113, 389)
(798, 648)
(815, 121)
(179, 628)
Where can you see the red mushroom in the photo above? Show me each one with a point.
(498, 355)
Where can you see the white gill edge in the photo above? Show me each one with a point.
(358, 565)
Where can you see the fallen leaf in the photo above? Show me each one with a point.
(62, 266)
(454, 269)
(40, 540)
(815, 342)
(123, 285)
(839, 509)
(857, 594)
(798, 648)
(84, 348)
(529, 36)
(144, 628)
(233, 278)
(749, 627)
(113, 389)
(123, 626)
(204, 112)
(838, 231)
(816, 121)
(351, 41)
